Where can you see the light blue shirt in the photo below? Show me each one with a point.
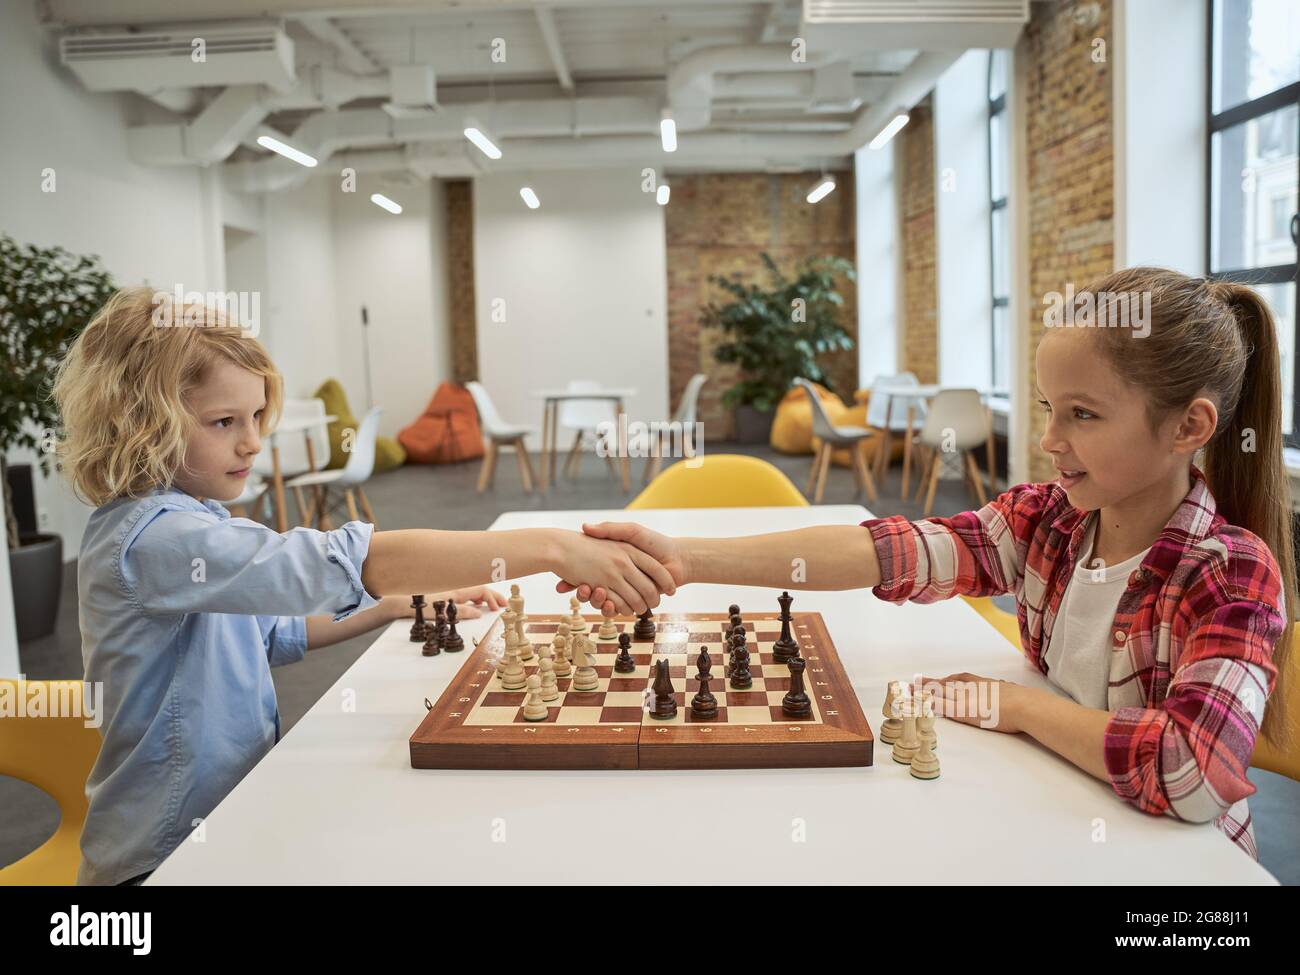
(175, 597)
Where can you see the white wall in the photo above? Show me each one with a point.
(1160, 127)
(584, 280)
(396, 266)
(877, 262)
(962, 222)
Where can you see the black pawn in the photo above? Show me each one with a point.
(733, 610)
(645, 626)
(785, 647)
(432, 645)
(665, 703)
(623, 663)
(453, 642)
(417, 628)
(704, 706)
(741, 679)
(440, 622)
(796, 704)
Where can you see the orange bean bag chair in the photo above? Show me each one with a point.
(792, 425)
(447, 432)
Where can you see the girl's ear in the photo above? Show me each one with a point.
(1196, 429)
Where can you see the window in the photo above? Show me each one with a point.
(1254, 152)
(999, 250)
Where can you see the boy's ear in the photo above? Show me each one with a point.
(1197, 426)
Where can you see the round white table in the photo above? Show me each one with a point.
(550, 431)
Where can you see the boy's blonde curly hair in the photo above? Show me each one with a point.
(121, 390)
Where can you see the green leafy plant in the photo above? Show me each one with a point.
(47, 296)
(773, 339)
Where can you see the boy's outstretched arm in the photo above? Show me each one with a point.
(427, 560)
(821, 557)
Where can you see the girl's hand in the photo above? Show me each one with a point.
(628, 580)
(664, 550)
(473, 602)
(980, 701)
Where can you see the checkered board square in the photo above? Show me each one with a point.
(477, 723)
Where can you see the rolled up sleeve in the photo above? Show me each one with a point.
(175, 560)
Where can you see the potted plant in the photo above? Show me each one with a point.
(47, 296)
(777, 334)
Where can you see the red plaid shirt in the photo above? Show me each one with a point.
(1193, 636)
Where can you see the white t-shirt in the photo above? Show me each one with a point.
(1078, 654)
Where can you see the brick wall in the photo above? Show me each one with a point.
(719, 224)
(920, 306)
(460, 279)
(1070, 160)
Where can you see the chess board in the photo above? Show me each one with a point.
(477, 724)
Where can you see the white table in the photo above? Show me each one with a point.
(303, 425)
(336, 801)
(912, 394)
(551, 399)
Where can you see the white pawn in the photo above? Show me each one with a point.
(550, 690)
(925, 763)
(535, 708)
(516, 601)
(608, 629)
(524, 644)
(576, 622)
(561, 646)
(513, 679)
(585, 679)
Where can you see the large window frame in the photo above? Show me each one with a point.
(1219, 122)
(998, 111)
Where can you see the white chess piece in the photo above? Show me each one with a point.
(608, 629)
(516, 601)
(576, 622)
(550, 690)
(513, 678)
(535, 708)
(508, 637)
(561, 648)
(524, 644)
(585, 679)
(925, 764)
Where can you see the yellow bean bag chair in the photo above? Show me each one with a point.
(388, 452)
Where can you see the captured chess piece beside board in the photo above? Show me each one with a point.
(573, 692)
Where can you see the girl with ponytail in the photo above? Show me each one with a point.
(1154, 579)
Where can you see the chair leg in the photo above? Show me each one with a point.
(489, 467)
(923, 481)
(353, 513)
(368, 511)
(574, 455)
(977, 482)
(525, 465)
(822, 471)
(613, 464)
(935, 465)
(323, 522)
(864, 472)
(812, 474)
(300, 502)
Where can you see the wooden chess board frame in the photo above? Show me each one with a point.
(477, 725)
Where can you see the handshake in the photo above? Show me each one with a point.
(620, 568)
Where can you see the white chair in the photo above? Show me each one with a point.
(585, 416)
(293, 446)
(684, 418)
(496, 434)
(957, 421)
(833, 436)
(348, 479)
(254, 493)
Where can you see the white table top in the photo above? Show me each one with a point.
(300, 423)
(613, 392)
(336, 801)
(923, 391)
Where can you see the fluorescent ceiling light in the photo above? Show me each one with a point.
(288, 151)
(380, 200)
(668, 133)
(661, 194)
(821, 190)
(530, 197)
(888, 132)
(484, 144)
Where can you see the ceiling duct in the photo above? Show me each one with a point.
(931, 25)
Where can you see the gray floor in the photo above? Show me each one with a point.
(444, 497)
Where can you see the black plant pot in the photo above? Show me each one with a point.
(36, 575)
(753, 426)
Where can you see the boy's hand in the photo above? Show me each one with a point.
(665, 551)
(628, 580)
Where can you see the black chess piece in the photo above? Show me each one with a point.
(785, 647)
(439, 624)
(645, 628)
(417, 628)
(623, 663)
(453, 641)
(796, 703)
(704, 706)
(741, 679)
(733, 610)
(665, 703)
(432, 646)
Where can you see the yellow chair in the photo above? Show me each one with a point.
(720, 481)
(1002, 621)
(1268, 755)
(56, 756)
